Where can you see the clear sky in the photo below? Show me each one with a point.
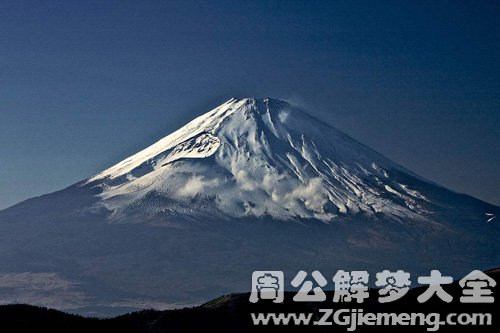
(83, 84)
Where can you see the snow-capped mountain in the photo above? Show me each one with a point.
(258, 158)
(253, 184)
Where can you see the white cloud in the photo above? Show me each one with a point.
(313, 195)
(195, 185)
(245, 182)
(271, 180)
(287, 192)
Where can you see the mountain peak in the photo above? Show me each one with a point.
(261, 157)
(254, 99)
(271, 103)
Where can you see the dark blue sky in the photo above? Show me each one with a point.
(84, 84)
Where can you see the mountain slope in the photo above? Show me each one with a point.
(253, 184)
(259, 158)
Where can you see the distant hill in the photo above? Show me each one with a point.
(231, 313)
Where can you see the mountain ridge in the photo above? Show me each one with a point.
(230, 313)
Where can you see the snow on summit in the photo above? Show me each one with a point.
(258, 157)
